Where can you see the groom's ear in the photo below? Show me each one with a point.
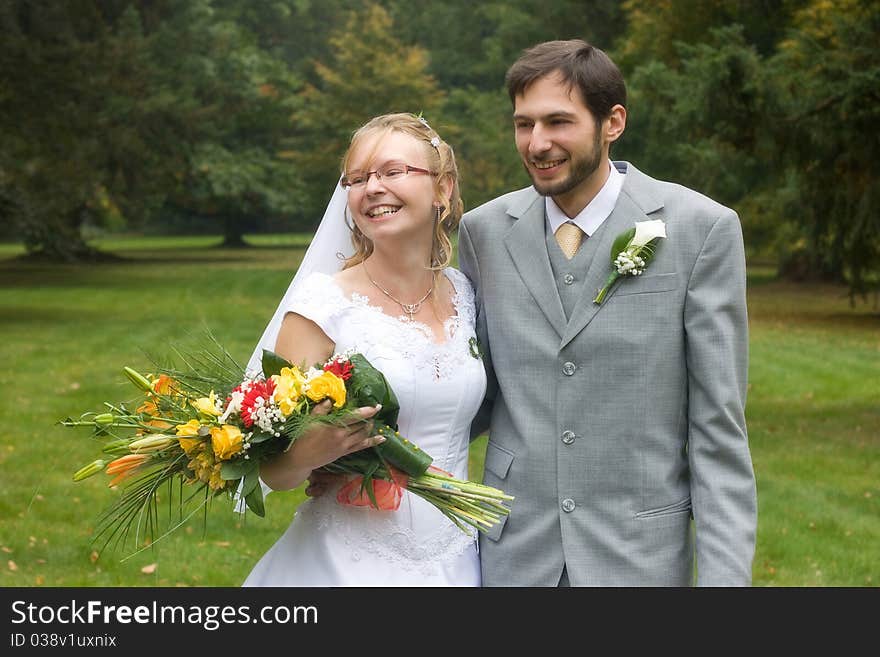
(614, 125)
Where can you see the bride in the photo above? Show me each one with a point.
(376, 280)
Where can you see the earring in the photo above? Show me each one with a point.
(439, 209)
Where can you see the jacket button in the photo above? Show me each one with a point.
(568, 279)
(568, 437)
(568, 505)
(569, 368)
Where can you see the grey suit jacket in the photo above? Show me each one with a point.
(621, 430)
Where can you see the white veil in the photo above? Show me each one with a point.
(327, 251)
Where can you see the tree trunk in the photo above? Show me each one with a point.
(232, 235)
(799, 266)
(60, 240)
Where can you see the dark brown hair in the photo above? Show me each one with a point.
(582, 66)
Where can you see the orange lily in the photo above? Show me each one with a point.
(164, 384)
(125, 466)
(149, 407)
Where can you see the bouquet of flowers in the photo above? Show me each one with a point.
(207, 428)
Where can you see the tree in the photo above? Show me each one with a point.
(655, 29)
(482, 136)
(68, 147)
(472, 44)
(370, 73)
(120, 111)
(777, 120)
(828, 76)
(235, 100)
(703, 123)
(471, 47)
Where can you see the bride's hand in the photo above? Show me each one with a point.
(320, 445)
(324, 443)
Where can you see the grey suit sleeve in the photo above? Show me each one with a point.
(723, 483)
(467, 262)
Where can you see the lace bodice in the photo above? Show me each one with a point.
(352, 318)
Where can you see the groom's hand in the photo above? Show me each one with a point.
(321, 482)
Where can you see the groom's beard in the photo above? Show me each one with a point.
(581, 169)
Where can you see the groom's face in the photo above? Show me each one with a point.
(557, 137)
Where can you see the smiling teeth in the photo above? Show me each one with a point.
(547, 165)
(382, 209)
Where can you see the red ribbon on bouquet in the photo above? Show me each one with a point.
(388, 493)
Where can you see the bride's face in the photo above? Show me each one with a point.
(399, 201)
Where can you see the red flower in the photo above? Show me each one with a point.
(263, 388)
(342, 369)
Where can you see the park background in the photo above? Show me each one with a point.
(163, 165)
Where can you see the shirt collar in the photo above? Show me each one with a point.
(597, 210)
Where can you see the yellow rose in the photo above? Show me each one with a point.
(202, 465)
(227, 441)
(327, 385)
(191, 428)
(215, 481)
(190, 445)
(288, 389)
(187, 436)
(287, 407)
(207, 405)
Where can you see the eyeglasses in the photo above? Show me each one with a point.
(388, 172)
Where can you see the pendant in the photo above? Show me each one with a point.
(411, 308)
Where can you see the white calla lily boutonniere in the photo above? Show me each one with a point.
(632, 251)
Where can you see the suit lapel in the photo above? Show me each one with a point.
(527, 247)
(633, 204)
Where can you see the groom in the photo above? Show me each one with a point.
(618, 426)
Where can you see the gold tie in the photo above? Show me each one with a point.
(569, 237)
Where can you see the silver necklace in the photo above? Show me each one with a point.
(409, 308)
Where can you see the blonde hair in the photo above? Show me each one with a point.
(441, 160)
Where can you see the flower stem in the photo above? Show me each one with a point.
(613, 276)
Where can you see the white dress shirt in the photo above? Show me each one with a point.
(591, 217)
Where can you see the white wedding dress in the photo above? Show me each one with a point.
(439, 387)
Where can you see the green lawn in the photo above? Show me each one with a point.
(814, 418)
(814, 425)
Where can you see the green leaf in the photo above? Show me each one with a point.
(254, 501)
(261, 437)
(273, 363)
(231, 470)
(621, 242)
(251, 481)
(366, 460)
(401, 453)
(647, 251)
(368, 387)
(367, 483)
